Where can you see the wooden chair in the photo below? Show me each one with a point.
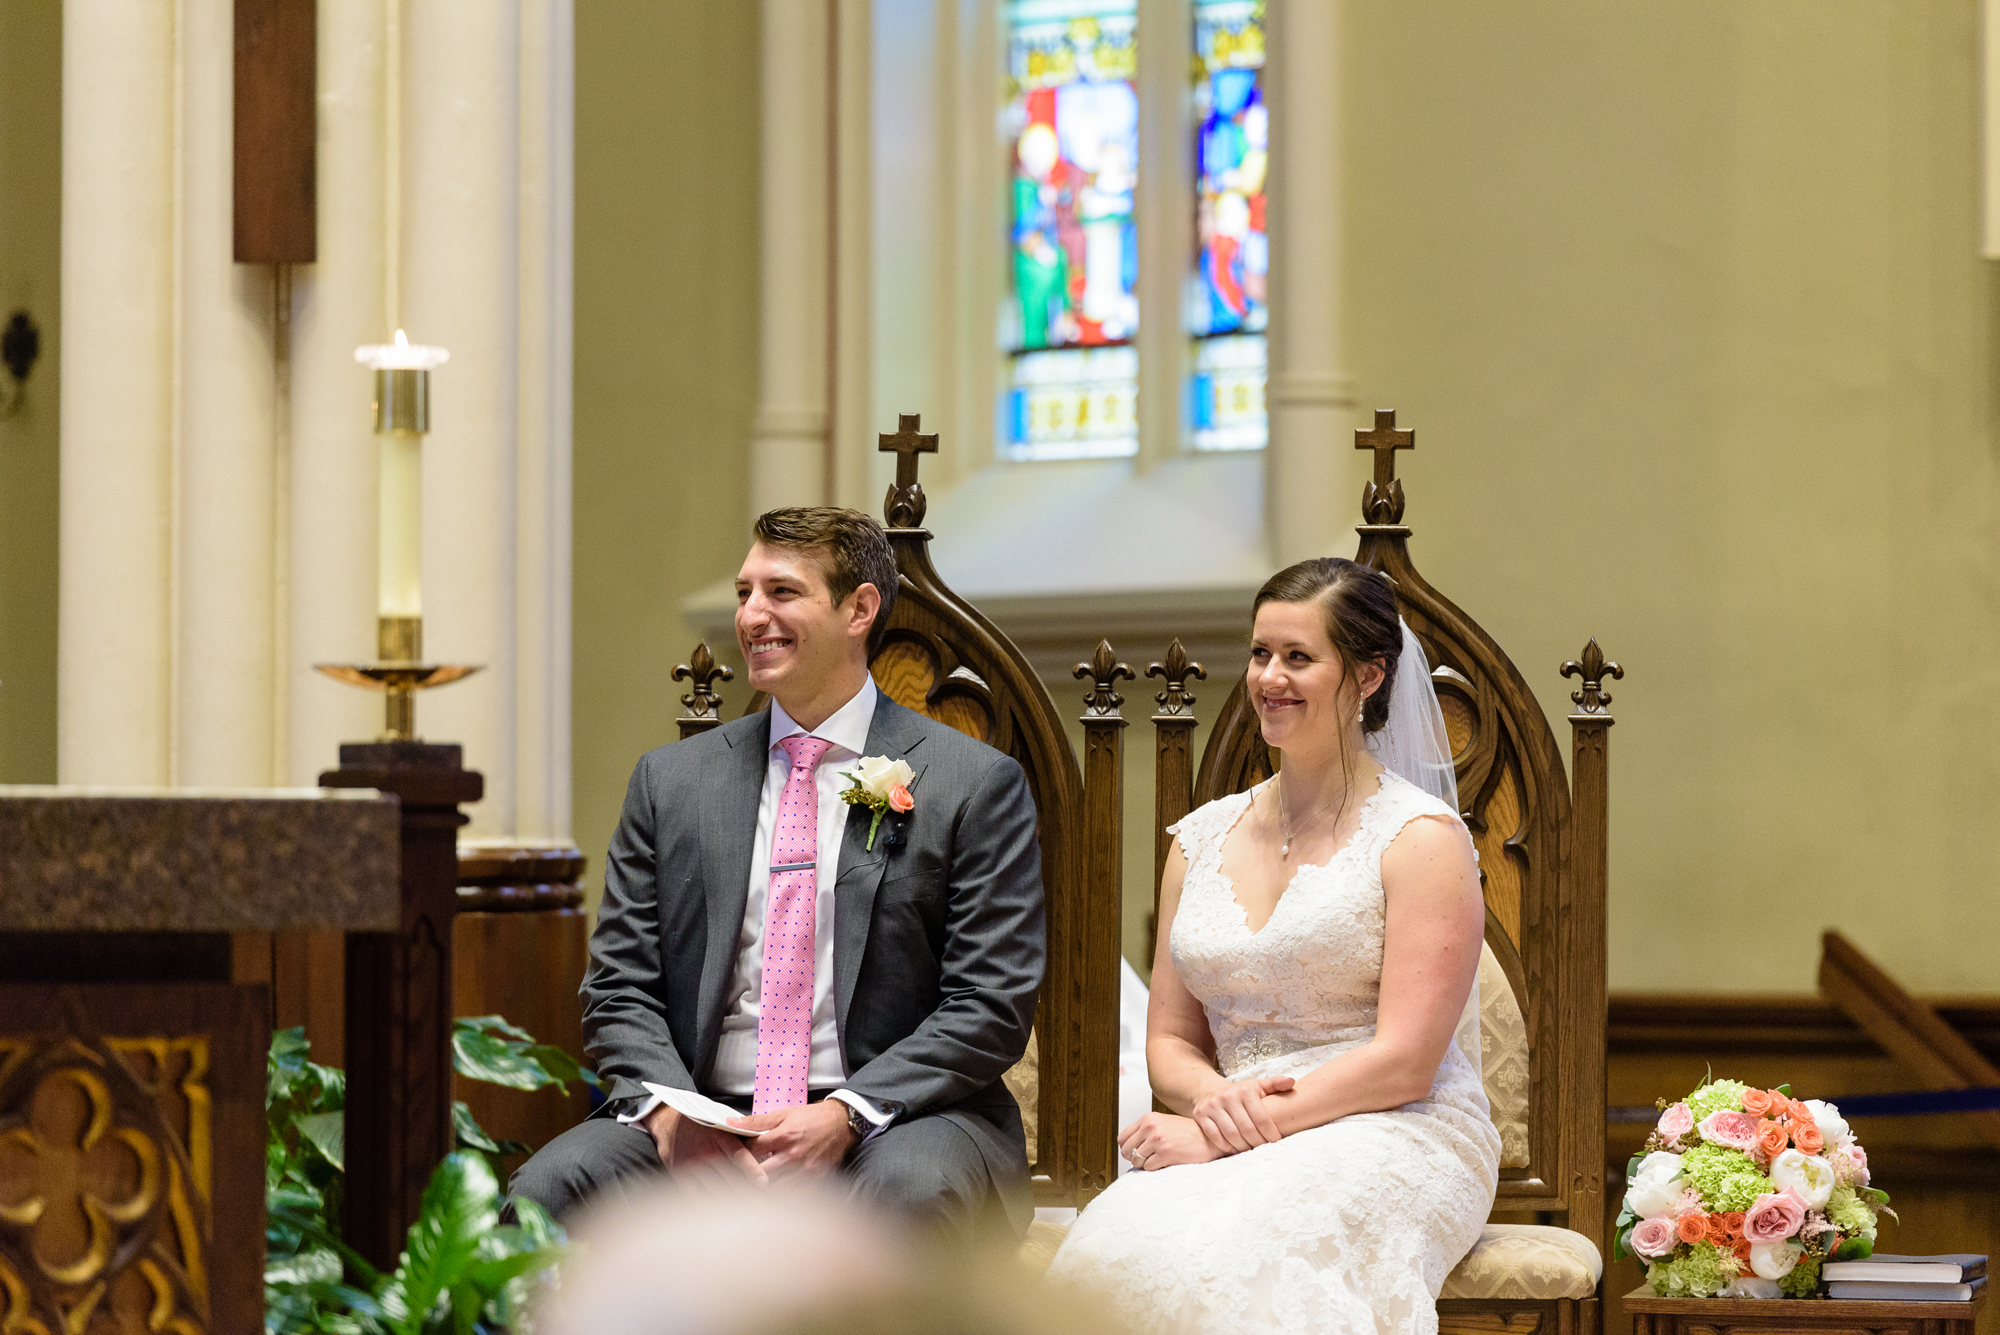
(1542, 851)
(943, 659)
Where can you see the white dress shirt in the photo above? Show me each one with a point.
(735, 1070)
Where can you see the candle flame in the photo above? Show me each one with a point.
(401, 341)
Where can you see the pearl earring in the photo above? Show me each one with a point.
(1361, 710)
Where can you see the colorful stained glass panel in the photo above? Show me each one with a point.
(1073, 121)
(1228, 292)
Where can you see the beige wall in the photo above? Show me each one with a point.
(1685, 305)
(30, 278)
(666, 363)
(1684, 302)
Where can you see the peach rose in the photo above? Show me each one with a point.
(1732, 1130)
(900, 799)
(1741, 1251)
(1692, 1227)
(1717, 1232)
(1732, 1223)
(1757, 1102)
(1676, 1122)
(1653, 1238)
(1797, 1111)
(1770, 1138)
(1774, 1216)
(1805, 1135)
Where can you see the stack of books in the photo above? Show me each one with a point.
(1907, 1279)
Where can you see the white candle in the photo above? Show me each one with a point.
(403, 369)
(400, 572)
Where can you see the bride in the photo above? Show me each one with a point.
(1330, 1156)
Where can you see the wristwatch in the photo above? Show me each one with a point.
(856, 1123)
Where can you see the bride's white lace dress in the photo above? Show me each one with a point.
(1347, 1227)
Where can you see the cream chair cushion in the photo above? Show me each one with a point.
(1503, 1058)
(1526, 1261)
(1024, 1082)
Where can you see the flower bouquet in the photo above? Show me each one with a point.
(1745, 1193)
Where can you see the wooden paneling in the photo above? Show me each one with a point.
(131, 1157)
(276, 130)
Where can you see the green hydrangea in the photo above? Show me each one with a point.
(1717, 1096)
(1727, 1179)
(1850, 1214)
(1705, 1271)
(1803, 1280)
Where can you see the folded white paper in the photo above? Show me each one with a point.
(698, 1108)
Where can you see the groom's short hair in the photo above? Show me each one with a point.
(855, 552)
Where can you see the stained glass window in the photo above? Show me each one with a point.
(1072, 309)
(1227, 306)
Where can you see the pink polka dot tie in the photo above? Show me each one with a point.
(784, 1017)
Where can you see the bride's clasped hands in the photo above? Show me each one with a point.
(1232, 1116)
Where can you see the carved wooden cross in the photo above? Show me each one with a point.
(1385, 440)
(906, 444)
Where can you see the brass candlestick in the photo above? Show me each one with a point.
(402, 418)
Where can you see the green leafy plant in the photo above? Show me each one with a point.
(461, 1271)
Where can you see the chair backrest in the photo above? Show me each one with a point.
(940, 657)
(1542, 864)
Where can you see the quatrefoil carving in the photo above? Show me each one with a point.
(77, 1175)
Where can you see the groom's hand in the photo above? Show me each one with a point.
(811, 1138)
(685, 1145)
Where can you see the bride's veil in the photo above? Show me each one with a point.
(1415, 746)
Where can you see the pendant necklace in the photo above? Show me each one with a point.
(1284, 821)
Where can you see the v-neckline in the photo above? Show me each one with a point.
(1229, 882)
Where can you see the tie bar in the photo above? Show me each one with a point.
(794, 866)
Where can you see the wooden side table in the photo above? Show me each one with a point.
(1653, 1315)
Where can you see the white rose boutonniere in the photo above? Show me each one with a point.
(882, 785)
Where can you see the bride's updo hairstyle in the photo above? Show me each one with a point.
(1361, 619)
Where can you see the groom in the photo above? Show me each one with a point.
(858, 1003)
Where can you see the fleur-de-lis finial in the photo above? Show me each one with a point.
(1177, 700)
(701, 669)
(1103, 672)
(1592, 698)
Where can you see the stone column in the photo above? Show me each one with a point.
(114, 647)
(218, 512)
(1313, 473)
(788, 446)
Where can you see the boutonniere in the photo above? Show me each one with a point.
(882, 786)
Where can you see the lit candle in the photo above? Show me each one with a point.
(402, 416)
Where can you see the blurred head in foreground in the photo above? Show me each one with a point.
(786, 1261)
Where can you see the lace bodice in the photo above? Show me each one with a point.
(1306, 985)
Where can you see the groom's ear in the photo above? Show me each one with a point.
(866, 612)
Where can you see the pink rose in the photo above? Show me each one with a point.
(1653, 1238)
(1732, 1130)
(1676, 1122)
(1857, 1162)
(1774, 1216)
(900, 799)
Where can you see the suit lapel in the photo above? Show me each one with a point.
(892, 733)
(728, 837)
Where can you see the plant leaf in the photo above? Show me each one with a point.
(461, 1204)
(324, 1131)
(321, 1265)
(471, 1136)
(562, 1067)
(478, 1055)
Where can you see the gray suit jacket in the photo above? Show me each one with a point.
(938, 946)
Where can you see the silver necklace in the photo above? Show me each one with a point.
(1284, 820)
